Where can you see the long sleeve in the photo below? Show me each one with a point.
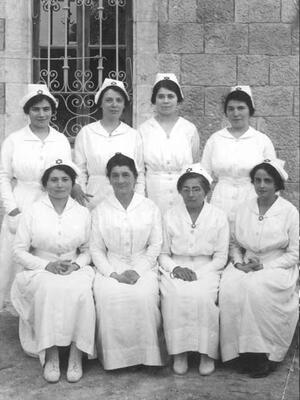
(140, 183)
(22, 245)
(206, 160)
(81, 160)
(291, 256)
(220, 255)
(84, 257)
(6, 175)
(98, 249)
(269, 151)
(196, 147)
(165, 258)
(235, 250)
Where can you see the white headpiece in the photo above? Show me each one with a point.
(279, 166)
(111, 83)
(60, 161)
(167, 76)
(198, 169)
(34, 90)
(245, 89)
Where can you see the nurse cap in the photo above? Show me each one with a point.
(197, 169)
(279, 166)
(60, 161)
(34, 89)
(111, 83)
(167, 76)
(245, 89)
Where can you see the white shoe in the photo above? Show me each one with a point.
(207, 365)
(51, 371)
(180, 365)
(74, 372)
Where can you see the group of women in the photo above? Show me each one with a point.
(119, 254)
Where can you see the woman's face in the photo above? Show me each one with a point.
(40, 114)
(166, 102)
(59, 185)
(122, 180)
(112, 104)
(264, 184)
(192, 193)
(238, 114)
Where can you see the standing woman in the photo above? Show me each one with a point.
(97, 142)
(170, 142)
(24, 155)
(195, 249)
(258, 298)
(125, 243)
(231, 153)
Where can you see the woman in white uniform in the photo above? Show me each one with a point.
(231, 153)
(53, 295)
(195, 250)
(24, 155)
(258, 299)
(97, 142)
(125, 243)
(170, 143)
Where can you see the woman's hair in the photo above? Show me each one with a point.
(116, 89)
(37, 99)
(239, 95)
(270, 170)
(190, 175)
(120, 160)
(61, 167)
(166, 84)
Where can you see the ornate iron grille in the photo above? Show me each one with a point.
(76, 44)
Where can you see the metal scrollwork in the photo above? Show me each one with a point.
(50, 4)
(119, 3)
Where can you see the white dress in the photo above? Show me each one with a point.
(23, 160)
(259, 309)
(94, 146)
(229, 160)
(165, 156)
(54, 310)
(189, 309)
(128, 316)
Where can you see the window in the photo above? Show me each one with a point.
(76, 44)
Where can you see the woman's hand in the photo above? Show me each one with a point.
(251, 265)
(78, 194)
(129, 277)
(62, 267)
(186, 274)
(53, 267)
(14, 212)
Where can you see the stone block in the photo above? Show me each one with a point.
(296, 101)
(193, 104)
(283, 131)
(2, 98)
(207, 126)
(145, 33)
(203, 69)
(2, 128)
(169, 63)
(295, 39)
(214, 101)
(226, 38)
(253, 70)
(143, 106)
(2, 70)
(146, 11)
(284, 70)
(147, 67)
(17, 70)
(290, 11)
(163, 15)
(291, 193)
(273, 101)
(257, 11)
(180, 38)
(182, 11)
(270, 39)
(291, 157)
(14, 121)
(2, 34)
(215, 11)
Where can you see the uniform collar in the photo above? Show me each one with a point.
(275, 209)
(248, 134)
(97, 128)
(30, 136)
(137, 199)
(186, 215)
(70, 203)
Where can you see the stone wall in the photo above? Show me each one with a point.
(214, 44)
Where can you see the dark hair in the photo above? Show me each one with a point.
(37, 99)
(190, 175)
(116, 89)
(166, 84)
(61, 167)
(278, 181)
(120, 160)
(239, 95)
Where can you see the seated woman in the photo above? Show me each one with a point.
(258, 302)
(125, 242)
(53, 295)
(195, 249)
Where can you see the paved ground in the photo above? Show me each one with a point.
(21, 379)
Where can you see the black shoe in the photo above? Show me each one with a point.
(246, 363)
(261, 366)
